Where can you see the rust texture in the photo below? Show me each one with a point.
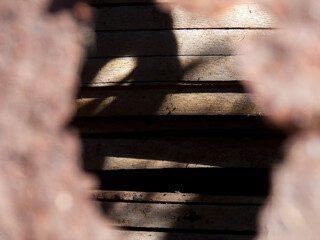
(284, 74)
(43, 191)
(203, 6)
(284, 68)
(293, 209)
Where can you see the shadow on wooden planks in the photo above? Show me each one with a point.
(225, 203)
(126, 47)
(141, 91)
(117, 51)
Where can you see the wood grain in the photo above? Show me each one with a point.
(181, 152)
(188, 198)
(171, 43)
(160, 102)
(145, 235)
(175, 125)
(151, 17)
(106, 71)
(144, 1)
(181, 216)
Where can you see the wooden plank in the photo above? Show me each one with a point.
(145, 235)
(118, 1)
(165, 197)
(104, 71)
(161, 102)
(181, 152)
(223, 181)
(144, 1)
(150, 17)
(175, 125)
(181, 216)
(171, 43)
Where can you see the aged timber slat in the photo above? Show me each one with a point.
(144, 1)
(181, 152)
(151, 17)
(100, 72)
(216, 181)
(145, 235)
(171, 43)
(165, 197)
(160, 102)
(181, 216)
(175, 125)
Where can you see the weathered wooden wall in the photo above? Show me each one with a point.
(180, 148)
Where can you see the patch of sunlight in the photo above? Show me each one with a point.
(119, 163)
(116, 70)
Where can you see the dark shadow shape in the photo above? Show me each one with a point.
(232, 182)
(58, 5)
(215, 182)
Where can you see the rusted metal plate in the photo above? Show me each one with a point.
(43, 190)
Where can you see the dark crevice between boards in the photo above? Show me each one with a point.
(215, 181)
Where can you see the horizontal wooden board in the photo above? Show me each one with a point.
(181, 152)
(181, 216)
(144, 1)
(175, 125)
(160, 102)
(213, 181)
(188, 198)
(105, 71)
(171, 43)
(145, 235)
(150, 17)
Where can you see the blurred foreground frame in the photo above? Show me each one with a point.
(283, 73)
(43, 191)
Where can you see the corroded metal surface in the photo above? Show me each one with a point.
(284, 73)
(284, 68)
(284, 76)
(293, 209)
(202, 6)
(43, 192)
